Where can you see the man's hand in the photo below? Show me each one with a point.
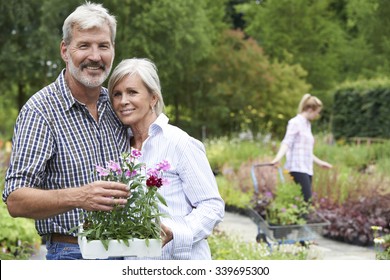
(104, 195)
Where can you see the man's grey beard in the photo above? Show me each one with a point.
(87, 80)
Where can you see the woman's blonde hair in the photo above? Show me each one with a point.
(146, 70)
(309, 101)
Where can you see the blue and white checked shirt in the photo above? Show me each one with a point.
(300, 142)
(195, 206)
(57, 143)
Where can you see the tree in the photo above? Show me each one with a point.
(248, 92)
(176, 35)
(29, 54)
(308, 30)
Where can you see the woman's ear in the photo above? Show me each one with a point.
(154, 100)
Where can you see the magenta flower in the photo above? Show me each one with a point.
(154, 181)
(136, 153)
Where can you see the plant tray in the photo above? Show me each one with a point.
(94, 249)
(304, 232)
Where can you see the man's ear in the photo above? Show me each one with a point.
(64, 51)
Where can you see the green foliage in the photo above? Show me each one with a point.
(216, 81)
(384, 254)
(27, 51)
(382, 243)
(286, 27)
(231, 152)
(18, 237)
(229, 189)
(224, 247)
(360, 109)
(8, 114)
(247, 91)
(178, 36)
(21, 251)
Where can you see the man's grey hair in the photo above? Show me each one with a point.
(87, 16)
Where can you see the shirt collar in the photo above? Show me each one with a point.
(69, 99)
(303, 120)
(158, 125)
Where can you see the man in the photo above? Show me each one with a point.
(63, 132)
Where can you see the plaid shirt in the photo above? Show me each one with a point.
(300, 142)
(56, 145)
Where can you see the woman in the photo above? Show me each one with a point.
(298, 145)
(195, 206)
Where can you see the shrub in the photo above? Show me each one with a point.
(18, 237)
(229, 191)
(351, 222)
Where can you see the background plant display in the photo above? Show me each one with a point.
(284, 206)
(353, 196)
(140, 217)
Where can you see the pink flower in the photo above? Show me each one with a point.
(152, 172)
(114, 166)
(163, 166)
(129, 169)
(165, 181)
(269, 194)
(130, 174)
(102, 171)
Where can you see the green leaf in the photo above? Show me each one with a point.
(161, 198)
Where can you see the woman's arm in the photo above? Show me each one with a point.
(322, 163)
(282, 151)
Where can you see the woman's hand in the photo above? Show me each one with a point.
(166, 234)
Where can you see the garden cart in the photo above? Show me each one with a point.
(265, 179)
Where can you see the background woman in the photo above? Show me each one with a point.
(298, 145)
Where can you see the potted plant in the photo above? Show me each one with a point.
(133, 229)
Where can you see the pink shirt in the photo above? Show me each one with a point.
(300, 142)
